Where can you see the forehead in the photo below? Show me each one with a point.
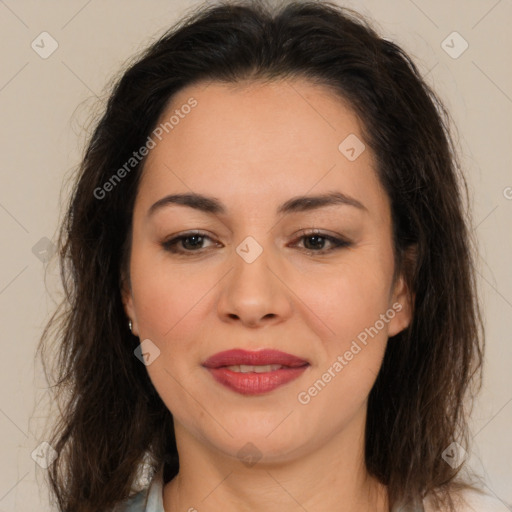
(260, 140)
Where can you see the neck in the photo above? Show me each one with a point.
(330, 477)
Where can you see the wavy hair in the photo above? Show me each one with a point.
(111, 417)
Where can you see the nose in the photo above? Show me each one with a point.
(255, 294)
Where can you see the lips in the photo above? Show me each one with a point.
(254, 373)
(240, 357)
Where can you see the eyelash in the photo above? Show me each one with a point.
(338, 243)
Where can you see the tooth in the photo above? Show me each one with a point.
(245, 368)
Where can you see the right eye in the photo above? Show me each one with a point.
(190, 242)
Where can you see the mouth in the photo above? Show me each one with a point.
(254, 373)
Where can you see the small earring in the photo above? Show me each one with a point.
(130, 325)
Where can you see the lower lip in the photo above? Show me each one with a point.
(255, 383)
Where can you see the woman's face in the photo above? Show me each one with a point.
(257, 277)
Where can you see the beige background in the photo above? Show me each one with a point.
(46, 105)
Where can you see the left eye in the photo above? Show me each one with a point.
(192, 242)
(319, 238)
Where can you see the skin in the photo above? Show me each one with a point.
(253, 146)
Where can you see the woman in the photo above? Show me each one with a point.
(270, 288)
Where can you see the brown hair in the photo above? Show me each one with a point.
(111, 414)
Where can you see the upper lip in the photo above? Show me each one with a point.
(251, 358)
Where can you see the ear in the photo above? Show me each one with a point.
(402, 299)
(127, 299)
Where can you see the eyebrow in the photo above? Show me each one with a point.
(297, 204)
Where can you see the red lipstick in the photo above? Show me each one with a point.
(234, 369)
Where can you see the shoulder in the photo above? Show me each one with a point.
(135, 504)
(148, 500)
(473, 501)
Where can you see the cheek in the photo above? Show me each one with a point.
(353, 349)
(349, 300)
(170, 307)
(350, 304)
(166, 296)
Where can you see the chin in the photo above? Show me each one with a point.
(264, 444)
